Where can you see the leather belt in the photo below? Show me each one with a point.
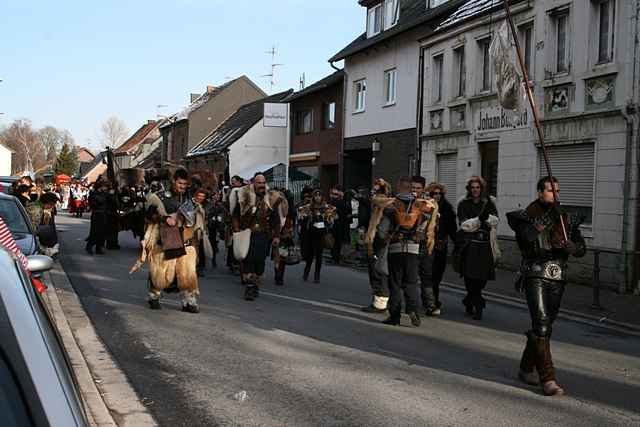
(551, 270)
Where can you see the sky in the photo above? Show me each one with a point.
(72, 64)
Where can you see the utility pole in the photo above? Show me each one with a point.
(303, 81)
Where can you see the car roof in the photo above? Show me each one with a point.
(28, 351)
(4, 196)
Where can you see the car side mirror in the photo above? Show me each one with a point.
(39, 263)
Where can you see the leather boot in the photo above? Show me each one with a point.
(544, 365)
(527, 372)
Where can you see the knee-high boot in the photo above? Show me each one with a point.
(528, 362)
(544, 365)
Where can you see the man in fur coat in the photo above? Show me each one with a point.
(257, 217)
(412, 223)
(169, 244)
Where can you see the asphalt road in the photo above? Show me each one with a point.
(306, 355)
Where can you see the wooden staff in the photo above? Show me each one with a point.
(534, 110)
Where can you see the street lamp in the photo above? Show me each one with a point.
(375, 149)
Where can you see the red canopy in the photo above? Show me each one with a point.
(63, 179)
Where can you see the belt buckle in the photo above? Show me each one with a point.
(553, 271)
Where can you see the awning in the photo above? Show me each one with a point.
(304, 157)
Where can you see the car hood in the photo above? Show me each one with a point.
(26, 243)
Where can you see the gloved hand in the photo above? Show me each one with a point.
(571, 247)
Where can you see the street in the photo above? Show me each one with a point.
(306, 355)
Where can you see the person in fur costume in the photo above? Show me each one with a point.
(173, 224)
(316, 219)
(377, 248)
(540, 232)
(257, 217)
(412, 223)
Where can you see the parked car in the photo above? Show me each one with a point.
(37, 384)
(6, 182)
(16, 218)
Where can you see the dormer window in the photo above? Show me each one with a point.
(374, 20)
(382, 16)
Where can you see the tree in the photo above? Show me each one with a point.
(29, 151)
(113, 132)
(67, 161)
(52, 140)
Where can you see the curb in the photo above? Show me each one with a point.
(110, 398)
(572, 315)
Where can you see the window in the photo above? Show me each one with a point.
(12, 407)
(606, 30)
(374, 20)
(485, 65)
(304, 121)
(437, 78)
(360, 96)
(390, 87)
(574, 167)
(329, 114)
(460, 72)
(562, 41)
(391, 13)
(526, 38)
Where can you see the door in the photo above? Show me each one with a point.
(489, 165)
(446, 172)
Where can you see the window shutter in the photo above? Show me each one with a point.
(447, 166)
(573, 166)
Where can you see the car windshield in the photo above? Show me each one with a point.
(12, 216)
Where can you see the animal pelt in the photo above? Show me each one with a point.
(245, 197)
(426, 230)
(378, 203)
(162, 271)
(382, 187)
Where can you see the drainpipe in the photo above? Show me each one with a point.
(628, 114)
(420, 112)
(344, 117)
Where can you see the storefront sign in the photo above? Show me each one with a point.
(493, 119)
(276, 115)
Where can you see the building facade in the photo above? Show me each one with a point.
(583, 64)
(316, 131)
(184, 130)
(381, 84)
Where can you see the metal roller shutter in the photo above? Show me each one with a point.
(447, 166)
(574, 166)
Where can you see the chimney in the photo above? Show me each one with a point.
(194, 96)
(210, 88)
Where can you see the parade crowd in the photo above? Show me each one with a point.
(407, 235)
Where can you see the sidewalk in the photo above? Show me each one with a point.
(621, 309)
(617, 310)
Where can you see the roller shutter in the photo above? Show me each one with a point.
(447, 166)
(574, 166)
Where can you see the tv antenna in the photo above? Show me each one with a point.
(303, 81)
(272, 76)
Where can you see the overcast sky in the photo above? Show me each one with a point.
(72, 64)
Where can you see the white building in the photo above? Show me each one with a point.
(242, 142)
(583, 59)
(381, 85)
(6, 155)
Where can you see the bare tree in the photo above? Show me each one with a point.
(30, 152)
(113, 132)
(51, 139)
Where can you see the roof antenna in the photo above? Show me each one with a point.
(272, 75)
(303, 81)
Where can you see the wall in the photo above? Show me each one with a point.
(5, 161)
(582, 121)
(401, 53)
(209, 116)
(255, 148)
(326, 141)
